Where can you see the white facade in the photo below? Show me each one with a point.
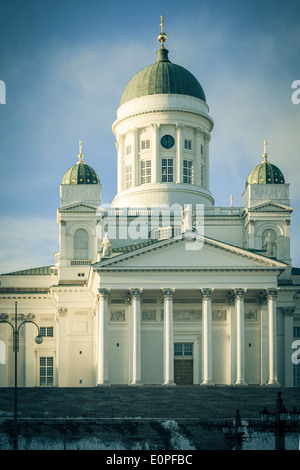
(207, 303)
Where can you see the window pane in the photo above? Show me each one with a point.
(167, 170)
(81, 244)
(187, 171)
(178, 349)
(188, 349)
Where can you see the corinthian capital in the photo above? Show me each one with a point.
(272, 293)
(103, 293)
(207, 292)
(135, 293)
(168, 293)
(240, 292)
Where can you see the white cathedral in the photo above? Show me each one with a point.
(162, 287)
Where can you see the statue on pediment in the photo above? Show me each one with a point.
(270, 245)
(105, 247)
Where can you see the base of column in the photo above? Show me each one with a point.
(240, 382)
(169, 383)
(273, 383)
(104, 384)
(137, 383)
(207, 382)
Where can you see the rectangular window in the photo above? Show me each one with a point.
(145, 171)
(187, 171)
(178, 349)
(188, 144)
(296, 331)
(183, 349)
(128, 149)
(46, 331)
(145, 144)
(167, 170)
(201, 149)
(128, 176)
(46, 371)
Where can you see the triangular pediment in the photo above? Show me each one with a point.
(78, 207)
(270, 207)
(201, 253)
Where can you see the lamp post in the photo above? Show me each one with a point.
(281, 418)
(38, 340)
(235, 432)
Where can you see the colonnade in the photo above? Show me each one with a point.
(207, 352)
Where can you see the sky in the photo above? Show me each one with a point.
(66, 63)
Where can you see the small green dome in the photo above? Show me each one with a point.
(81, 173)
(162, 77)
(265, 173)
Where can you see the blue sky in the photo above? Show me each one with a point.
(66, 63)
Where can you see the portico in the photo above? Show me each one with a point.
(228, 330)
(210, 323)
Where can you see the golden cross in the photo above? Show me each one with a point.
(162, 22)
(80, 156)
(265, 150)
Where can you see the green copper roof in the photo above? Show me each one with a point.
(41, 271)
(81, 173)
(265, 173)
(162, 77)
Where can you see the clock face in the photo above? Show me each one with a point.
(167, 141)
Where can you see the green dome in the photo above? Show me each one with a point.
(265, 173)
(162, 77)
(81, 173)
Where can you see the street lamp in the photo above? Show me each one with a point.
(236, 431)
(281, 418)
(38, 340)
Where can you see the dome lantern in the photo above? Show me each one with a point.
(265, 172)
(80, 173)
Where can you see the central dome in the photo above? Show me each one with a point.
(163, 77)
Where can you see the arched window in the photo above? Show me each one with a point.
(81, 244)
(2, 353)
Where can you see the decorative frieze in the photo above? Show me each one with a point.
(251, 315)
(149, 315)
(219, 315)
(118, 315)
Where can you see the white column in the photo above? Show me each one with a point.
(102, 366)
(264, 340)
(197, 162)
(179, 151)
(288, 313)
(206, 166)
(206, 337)
(135, 328)
(168, 337)
(121, 166)
(135, 160)
(62, 369)
(271, 299)
(240, 336)
(155, 153)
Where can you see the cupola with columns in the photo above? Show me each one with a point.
(163, 132)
